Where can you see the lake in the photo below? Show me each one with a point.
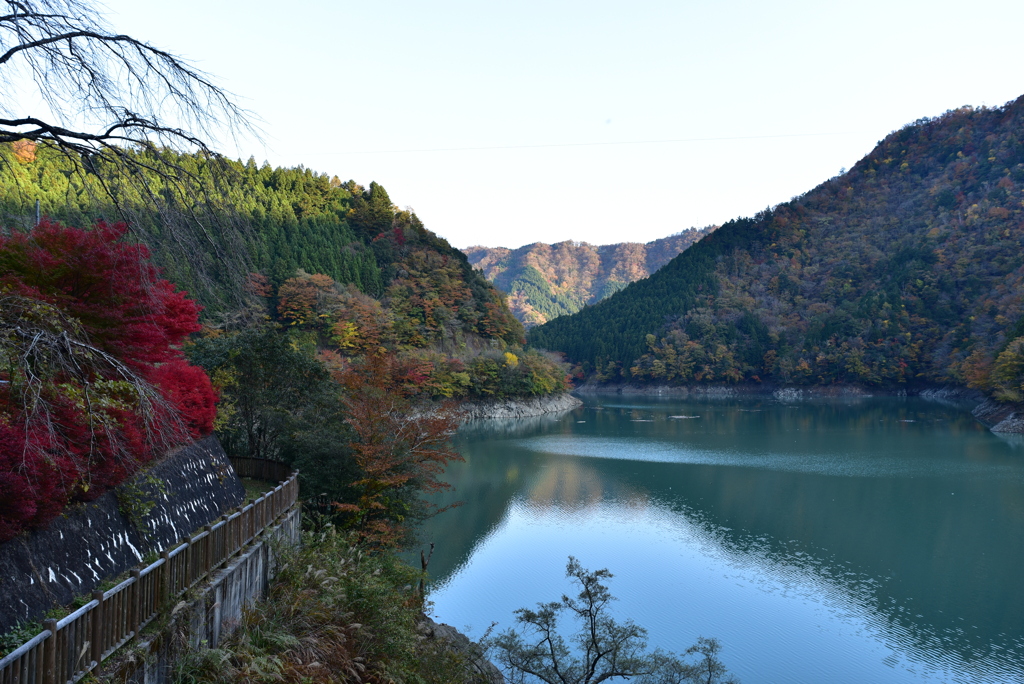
(870, 540)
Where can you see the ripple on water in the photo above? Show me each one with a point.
(846, 464)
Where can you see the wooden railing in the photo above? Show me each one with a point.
(260, 468)
(68, 649)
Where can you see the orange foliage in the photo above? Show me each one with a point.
(298, 297)
(362, 327)
(259, 285)
(24, 151)
(400, 452)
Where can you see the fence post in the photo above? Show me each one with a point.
(135, 602)
(165, 583)
(187, 558)
(50, 653)
(207, 549)
(98, 628)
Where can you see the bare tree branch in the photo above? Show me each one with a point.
(103, 86)
(120, 110)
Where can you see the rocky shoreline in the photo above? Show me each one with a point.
(516, 408)
(1002, 418)
(725, 391)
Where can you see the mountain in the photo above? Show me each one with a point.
(546, 281)
(334, 263)
(907, 269)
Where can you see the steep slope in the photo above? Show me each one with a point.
(907, 269)
(546, 281)
(338, 265)
(243, 220)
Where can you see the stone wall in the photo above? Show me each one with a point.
(90, 543)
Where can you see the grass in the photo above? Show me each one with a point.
(335, 613)
(254, 489)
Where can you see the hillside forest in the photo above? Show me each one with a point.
(907, 270)
(546, 281)
(326, 318)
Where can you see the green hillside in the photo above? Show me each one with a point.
(907, 269)
(337, 265)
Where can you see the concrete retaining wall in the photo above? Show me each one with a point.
(94, 542)
(215, 613)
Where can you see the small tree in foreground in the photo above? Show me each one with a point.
(601, 650)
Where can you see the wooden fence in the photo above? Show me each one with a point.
(261, 469)
(68, 649)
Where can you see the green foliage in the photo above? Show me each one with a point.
(18, 635)
(137, 498)
(614, 330)
(234, 218)
(337, 263)
(531, 284)
(905, 270)
(1007, 376)
(602, 647)
(282, 405)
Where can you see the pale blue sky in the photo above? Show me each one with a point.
(361, 90)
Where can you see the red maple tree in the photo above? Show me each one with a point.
(93, 382)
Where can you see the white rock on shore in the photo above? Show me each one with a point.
(1004, 418)
(517, 408)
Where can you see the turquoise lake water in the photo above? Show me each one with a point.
(876, 540)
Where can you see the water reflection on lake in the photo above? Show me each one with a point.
(870, 541)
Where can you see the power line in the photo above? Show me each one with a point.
(583, 144)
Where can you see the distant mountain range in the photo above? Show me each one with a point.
(546, 281)
(906, 270)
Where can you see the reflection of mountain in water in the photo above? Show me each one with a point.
(572, 485)
(918, 524)
(928, 598)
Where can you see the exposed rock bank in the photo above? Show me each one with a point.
(1005, 418)
(1002, 418)
(517, 408)
(459, 643)
(669, 390)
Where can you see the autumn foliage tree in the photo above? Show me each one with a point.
(400, 452)
(92, 379)
(298, 296)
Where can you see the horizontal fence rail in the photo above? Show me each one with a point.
(70, 648)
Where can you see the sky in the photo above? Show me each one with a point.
(504, 124)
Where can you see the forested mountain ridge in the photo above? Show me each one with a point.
(907, 269)
(336, 263)
(544, 281)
